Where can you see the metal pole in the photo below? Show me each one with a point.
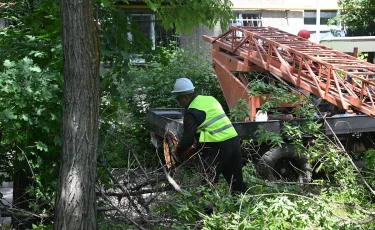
(317, 21)
(355, 52)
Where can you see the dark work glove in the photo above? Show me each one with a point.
(189, 152)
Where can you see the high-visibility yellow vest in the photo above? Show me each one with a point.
(217, 126)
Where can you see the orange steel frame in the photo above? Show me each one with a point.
(305, 64)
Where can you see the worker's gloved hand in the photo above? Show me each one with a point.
(189, 152)
(181, 158)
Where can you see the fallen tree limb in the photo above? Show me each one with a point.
(7, 211)
(123, 214)
(124, 190)
(134, 193)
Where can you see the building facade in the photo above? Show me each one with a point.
(290, 15)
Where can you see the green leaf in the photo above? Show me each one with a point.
(24, 117)
(27, 60)
(30, 38)
(41, 146)
(37, 53)
(7, 115)
(35, 69)
(9, 64)
(105, 3)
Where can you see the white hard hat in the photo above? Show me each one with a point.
(183, 86)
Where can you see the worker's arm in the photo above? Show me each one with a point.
(190, 129)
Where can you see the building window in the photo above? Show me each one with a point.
(247, 19)
(147, 26)
(309, 16)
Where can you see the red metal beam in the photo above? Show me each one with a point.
(341, 79)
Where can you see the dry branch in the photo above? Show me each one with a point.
(135, 193)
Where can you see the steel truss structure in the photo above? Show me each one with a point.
(339, 78)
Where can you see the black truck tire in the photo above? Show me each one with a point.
(281, 163)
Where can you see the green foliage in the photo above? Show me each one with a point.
(30, 114)
(240, 111)
(33, 31)
(185, 15)
(370, 158)
(41, 227)
(164, 54)
(362, 56)
(30, 102)
(277, 94)
(117, 50)
(359, 16)
(151, 86)
(115, 45)
(263, 206)
(268, 137)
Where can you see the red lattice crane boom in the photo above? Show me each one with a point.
(339, 78)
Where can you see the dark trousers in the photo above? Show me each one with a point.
(224, 158)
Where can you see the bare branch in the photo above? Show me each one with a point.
(7, 211)
(120, 211)
(135, 193)
(350, 160)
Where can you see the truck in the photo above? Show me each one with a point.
(344, 82)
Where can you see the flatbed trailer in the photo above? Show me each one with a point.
(356, 133)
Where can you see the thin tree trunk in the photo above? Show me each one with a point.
(75, 202)
(21, 198)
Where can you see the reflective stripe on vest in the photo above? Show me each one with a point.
(203, 127)
(221, 129)
(213, 120)
(217, 126)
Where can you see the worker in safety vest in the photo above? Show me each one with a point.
(218, 140)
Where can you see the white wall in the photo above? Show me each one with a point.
(193, 42)
(283, 4)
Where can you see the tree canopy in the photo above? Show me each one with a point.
(358, 16)
(184, 15)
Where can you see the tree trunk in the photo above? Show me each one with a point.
(75, 202)
(21, 199)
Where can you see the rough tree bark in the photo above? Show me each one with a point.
(75, 201)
